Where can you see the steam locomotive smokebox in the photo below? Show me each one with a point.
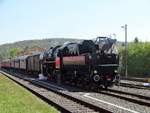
(87, 46)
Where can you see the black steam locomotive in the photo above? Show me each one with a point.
(88, 63)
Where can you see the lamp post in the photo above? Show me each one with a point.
(126, 51)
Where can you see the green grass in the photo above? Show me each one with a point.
(15, 99)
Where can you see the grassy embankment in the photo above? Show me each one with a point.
(15, 99)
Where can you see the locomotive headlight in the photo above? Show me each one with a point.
(95, 71)
(115, 71)
(90, 57)
(117, 56)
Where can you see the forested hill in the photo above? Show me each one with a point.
(9, 50)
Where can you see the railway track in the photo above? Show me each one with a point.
(55, 96)
(135, 79)
(116, 102)
(131, 97)
(128, 96)
(137, 86)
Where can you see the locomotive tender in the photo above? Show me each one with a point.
(89, 63)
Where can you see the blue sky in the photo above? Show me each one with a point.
(38, 19)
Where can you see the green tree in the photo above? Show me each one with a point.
(14, 52)
(138, 59)
(136, 40)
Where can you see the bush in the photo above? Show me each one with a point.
(138, 59)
